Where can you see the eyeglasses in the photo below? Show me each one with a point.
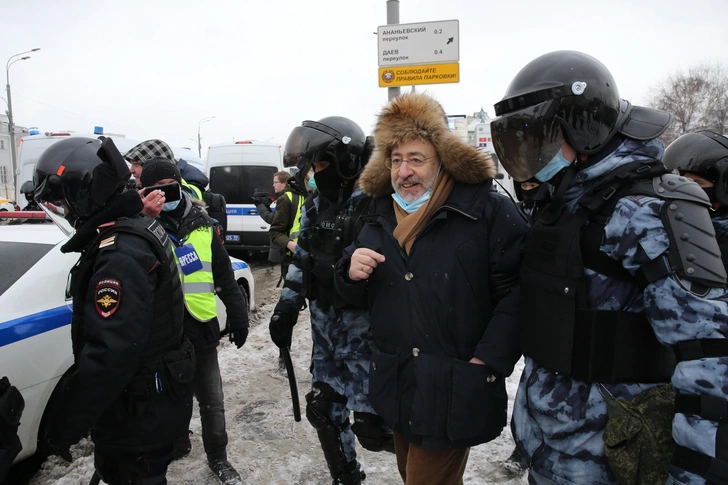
(413, 162)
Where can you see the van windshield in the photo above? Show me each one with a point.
(238, 183)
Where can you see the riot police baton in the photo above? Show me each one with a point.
(292, 383)
(96, 479)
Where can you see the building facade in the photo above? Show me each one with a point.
(7, 186)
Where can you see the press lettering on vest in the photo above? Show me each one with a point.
(188, 258)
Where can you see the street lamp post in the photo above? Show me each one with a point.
(199, 139)
(11, 126)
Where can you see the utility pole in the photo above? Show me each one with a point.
(392, 19)
(11, 125)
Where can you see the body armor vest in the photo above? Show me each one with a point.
(558, 329)
(166, 332)
(330, 234)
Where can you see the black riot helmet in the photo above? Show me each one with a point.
(704, 153)
(565, 96)
(27, 188)
(334, 139)
(81, 174)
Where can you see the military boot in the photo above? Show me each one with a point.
(352, 478)
(225, 472)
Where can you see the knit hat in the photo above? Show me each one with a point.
(417, 116)
(157, 169)
(146, 150)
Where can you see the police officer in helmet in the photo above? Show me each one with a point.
(130, 384)
(338, 150)
(625, 260)
(703, 157)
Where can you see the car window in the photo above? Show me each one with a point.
(16, 258)
(238, 183)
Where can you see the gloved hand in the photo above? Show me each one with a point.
(281, 324)
(238, 336)
(62, 450)
(262, 198)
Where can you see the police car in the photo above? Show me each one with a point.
(35, 330)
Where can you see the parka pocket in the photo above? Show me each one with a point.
(180, 367)
(478, 407)
(383, 381)
(431, 393)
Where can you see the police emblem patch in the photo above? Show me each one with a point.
(107, 296)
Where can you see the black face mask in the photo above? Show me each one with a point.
(29, 197)
(328, 182)
(710, 192)
(529, 196)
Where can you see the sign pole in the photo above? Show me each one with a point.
(392, 18)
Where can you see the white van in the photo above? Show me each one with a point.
(237, 171)
(32, 146)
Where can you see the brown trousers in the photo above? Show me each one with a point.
(421, 467)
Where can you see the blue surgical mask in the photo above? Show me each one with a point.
(415, 204)
(311, 183)
(556, 165)
(170, 206)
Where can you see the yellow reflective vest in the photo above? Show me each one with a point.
(296, 226)
(195, 191)
(199, 287)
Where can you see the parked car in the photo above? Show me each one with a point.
(35, 330)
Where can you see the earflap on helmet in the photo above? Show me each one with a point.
(109, 177)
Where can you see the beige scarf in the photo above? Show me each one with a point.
(410, 225)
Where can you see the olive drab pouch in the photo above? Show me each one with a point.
(638, 435)
(180, 369)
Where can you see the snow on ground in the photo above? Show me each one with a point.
(266, 445)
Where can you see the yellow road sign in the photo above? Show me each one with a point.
(424, 74)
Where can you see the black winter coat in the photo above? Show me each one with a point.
(434, 310)
(110, 363)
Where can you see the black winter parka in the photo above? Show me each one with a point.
(454, 297)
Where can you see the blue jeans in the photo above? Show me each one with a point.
(207, 386)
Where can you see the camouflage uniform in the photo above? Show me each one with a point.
(560, 421)
(341, 341)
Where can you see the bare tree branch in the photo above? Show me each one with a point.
(698, 99)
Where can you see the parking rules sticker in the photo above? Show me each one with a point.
(108, 296)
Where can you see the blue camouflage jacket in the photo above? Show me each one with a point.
(350, 341)
(560, 421)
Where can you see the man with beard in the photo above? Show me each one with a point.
(437, 264)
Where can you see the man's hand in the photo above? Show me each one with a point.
(291, 246)
(262, 198)
(363, 262)
(238, 336)
(153, 203)
(281, 324)
(63, 451)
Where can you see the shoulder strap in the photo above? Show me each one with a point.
(598, 205)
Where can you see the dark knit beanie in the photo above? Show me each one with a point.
(159, 169)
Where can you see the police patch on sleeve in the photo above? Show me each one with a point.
(107, 296)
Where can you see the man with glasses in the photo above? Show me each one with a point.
(437, 263)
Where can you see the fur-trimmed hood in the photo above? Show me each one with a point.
(418, 116)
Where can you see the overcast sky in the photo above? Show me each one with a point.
(154, 69)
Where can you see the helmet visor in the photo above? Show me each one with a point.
(309, 143)
(526, 140)
(57, 213)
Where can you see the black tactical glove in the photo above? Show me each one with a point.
(64, 451)
(281, 324)
(238, 336)
(261, 198)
